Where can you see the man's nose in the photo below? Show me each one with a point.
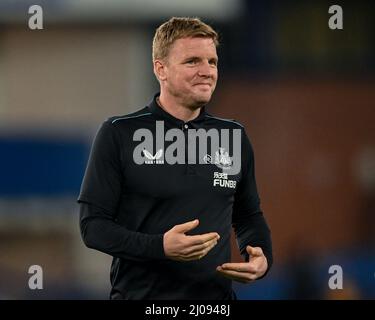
(205, 70)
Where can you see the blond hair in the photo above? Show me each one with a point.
(178, 28)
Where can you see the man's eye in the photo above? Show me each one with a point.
(191, 61)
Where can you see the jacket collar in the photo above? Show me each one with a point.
(164, 115)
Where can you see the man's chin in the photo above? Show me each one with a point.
(200, 101)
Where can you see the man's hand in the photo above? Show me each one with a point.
(246, 272)
(181, 247)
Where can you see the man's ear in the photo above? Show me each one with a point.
(159, 70)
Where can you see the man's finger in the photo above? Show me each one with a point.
(200, 247)
(240, 267)
(203, 238)
(200, 254)
(195, 256)
(185, 227)
(243, 277)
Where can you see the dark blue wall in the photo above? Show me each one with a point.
(40, 166)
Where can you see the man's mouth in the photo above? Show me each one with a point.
(203, 84)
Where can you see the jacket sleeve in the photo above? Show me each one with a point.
(99, 199)
(248, 221)
(101, 232)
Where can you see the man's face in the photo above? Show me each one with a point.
(191, 71)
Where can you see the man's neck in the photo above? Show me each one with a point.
(176, 110)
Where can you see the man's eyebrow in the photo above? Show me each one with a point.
(192, 58)
(199, 58)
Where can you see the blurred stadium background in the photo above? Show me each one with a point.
(305, 93)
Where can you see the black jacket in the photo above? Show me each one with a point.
(127, 207)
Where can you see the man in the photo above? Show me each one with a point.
(163, 214)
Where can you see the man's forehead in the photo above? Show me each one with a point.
(188, 46)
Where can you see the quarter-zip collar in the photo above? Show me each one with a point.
(164, 115)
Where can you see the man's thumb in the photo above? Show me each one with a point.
(185, 227)
(252, 251)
